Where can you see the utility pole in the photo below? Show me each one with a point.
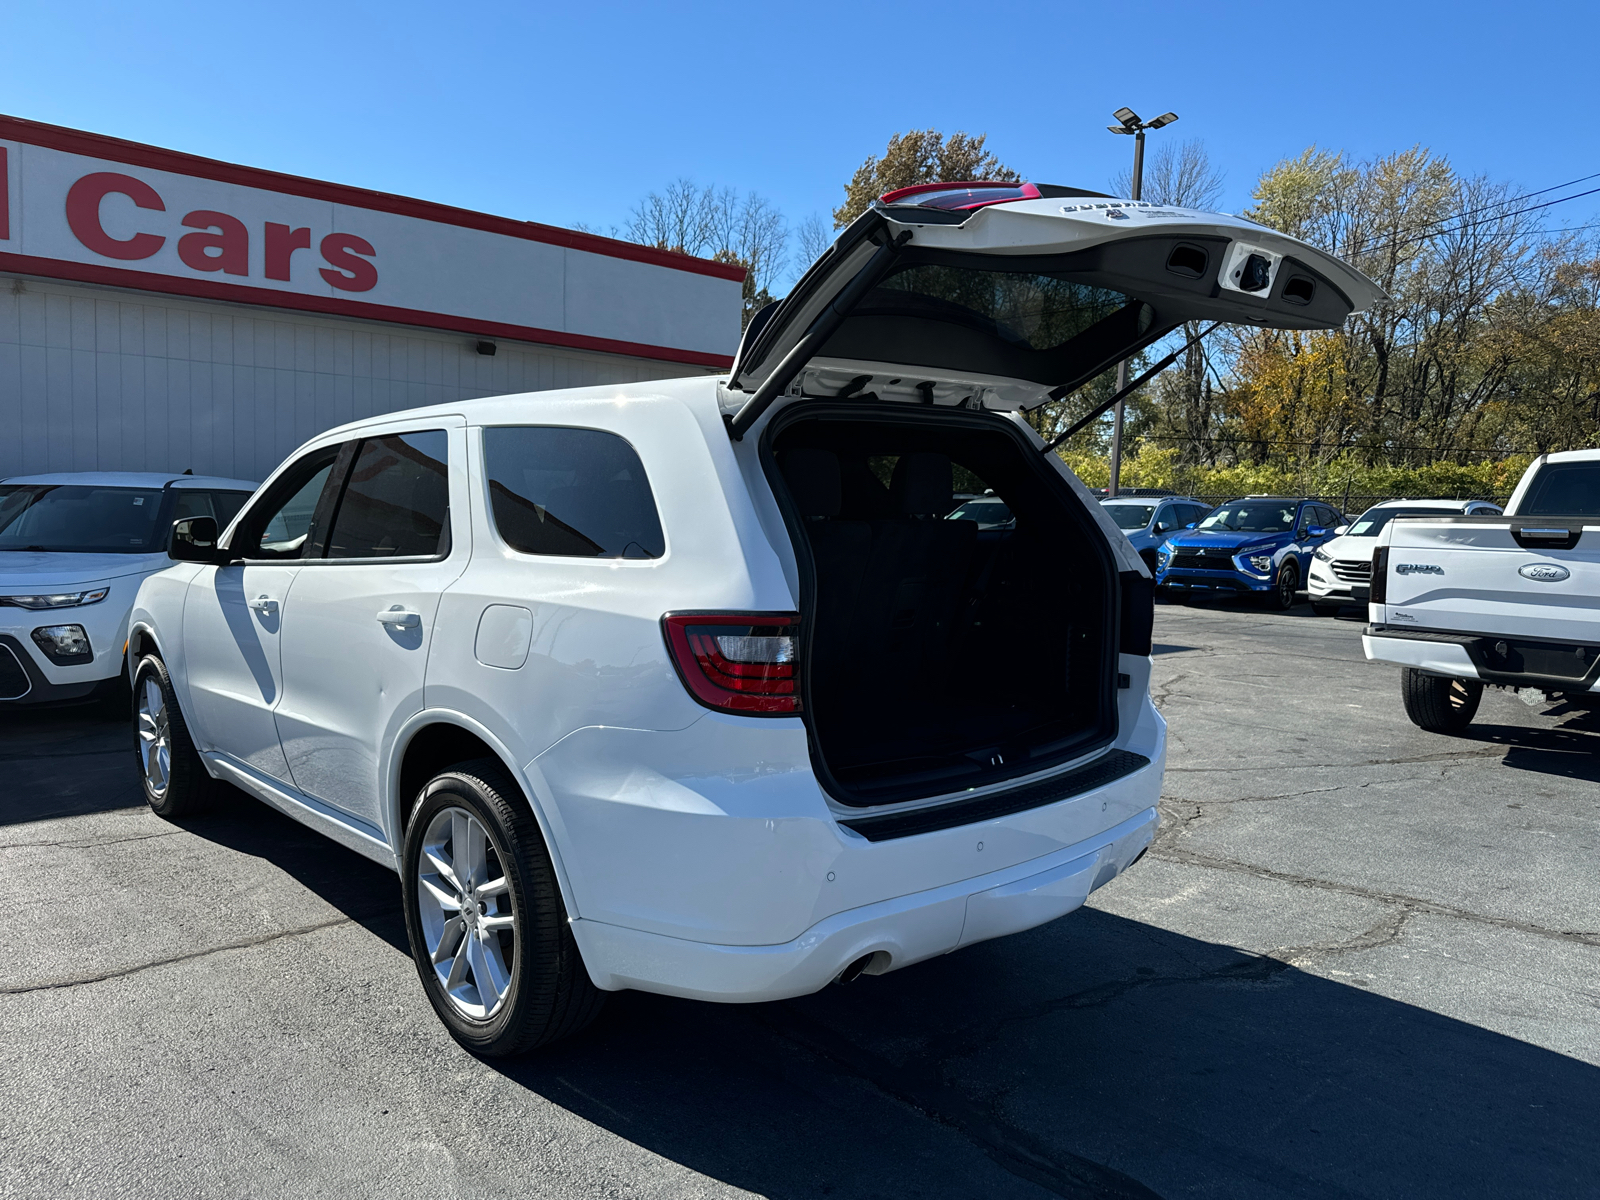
(1131, 124)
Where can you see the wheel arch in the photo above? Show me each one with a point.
(435, 739)
(142, 640)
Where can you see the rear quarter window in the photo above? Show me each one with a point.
(573, 492)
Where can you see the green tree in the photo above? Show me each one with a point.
(919, 156)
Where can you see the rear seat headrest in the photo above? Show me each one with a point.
(921, 486)
(813, 477)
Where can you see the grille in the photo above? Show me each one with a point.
(14, 682)
(1352, 570)
(1215, 559)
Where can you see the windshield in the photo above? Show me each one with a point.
(1569, 489)
(987, 513)
(88, 519)
(1253, 516)
(1131, 516)
(1371, 522)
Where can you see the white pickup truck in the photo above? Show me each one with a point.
(1510, 601)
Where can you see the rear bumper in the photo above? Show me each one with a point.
(1476, 656)
(896, 933)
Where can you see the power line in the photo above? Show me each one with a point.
(1499, 203)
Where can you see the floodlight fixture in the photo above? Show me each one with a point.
(1127, 116)
(1119, 129)
(1163, 119)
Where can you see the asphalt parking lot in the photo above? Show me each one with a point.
(1360, 960)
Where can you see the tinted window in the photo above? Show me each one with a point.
(1130, 516)
(578, 492)
(101, 519)
(1570, 489)
(1369, 523)
(1253, 516)
(396, 503)
(192, 502)
(1038, 312)
(281, 525)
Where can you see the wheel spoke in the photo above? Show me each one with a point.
(449, 940)
(495, 887)
(458, 969)
(498, 922)
(449, 901)
(488, 972)
(443, 866)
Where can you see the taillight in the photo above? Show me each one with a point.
(1378, 592)
(738, 662)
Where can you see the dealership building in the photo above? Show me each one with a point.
(160, 311)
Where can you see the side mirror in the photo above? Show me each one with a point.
(1191, 524)
(1317, 531)
(1341, 531)
(194, 539)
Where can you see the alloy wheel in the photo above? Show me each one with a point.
(155, 737)
(464, 906)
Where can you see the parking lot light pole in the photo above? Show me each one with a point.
(1131, 124)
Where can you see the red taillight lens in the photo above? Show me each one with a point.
(961, 196)
(738, 662)
(1378, 585)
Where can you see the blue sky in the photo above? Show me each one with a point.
(569, 113)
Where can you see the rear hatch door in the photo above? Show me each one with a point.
(1008, 303)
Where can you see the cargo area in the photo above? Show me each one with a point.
(943, 653)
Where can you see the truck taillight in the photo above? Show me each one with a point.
(1379, 593)
(738, 662)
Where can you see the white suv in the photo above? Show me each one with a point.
(1341, 568)
(686, 686)
(74, 548)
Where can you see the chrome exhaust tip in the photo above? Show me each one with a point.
(854, 969)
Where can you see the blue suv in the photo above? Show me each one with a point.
(1259, 544)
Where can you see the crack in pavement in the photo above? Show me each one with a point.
(88, 843)
(1414, 904)
(121, 972)
(1413, 760)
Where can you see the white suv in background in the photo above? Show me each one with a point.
(689, 686)
(1341, 568)
(73, 551)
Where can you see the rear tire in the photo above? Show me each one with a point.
(1437, 704)
(1282, 595)
(495, 954)
(174, 777)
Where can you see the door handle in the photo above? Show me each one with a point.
(401, 618)
(264, 604)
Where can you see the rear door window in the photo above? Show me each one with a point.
(576, 492)
(396, 501)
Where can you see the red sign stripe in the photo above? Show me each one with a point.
(5, 198)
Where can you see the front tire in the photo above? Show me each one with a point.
(484, 916)
(1437, 704)
(174, 777)
(1282, 595)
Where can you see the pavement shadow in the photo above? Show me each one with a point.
(358, 887)
(1095, 1056)
(1570, 750)
(66, 761)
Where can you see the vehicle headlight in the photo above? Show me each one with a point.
(1321, 555)
(56, 599)
(63, 644)
(1261, 562)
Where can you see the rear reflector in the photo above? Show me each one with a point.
(738, 662)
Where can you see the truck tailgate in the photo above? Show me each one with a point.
(1523, 577)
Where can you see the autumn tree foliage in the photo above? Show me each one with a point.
(919, 156)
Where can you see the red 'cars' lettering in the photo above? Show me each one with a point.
(83, 214)
(231, 243)
(281, 243)
(340, 251)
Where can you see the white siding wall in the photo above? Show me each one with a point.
(99, 379)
